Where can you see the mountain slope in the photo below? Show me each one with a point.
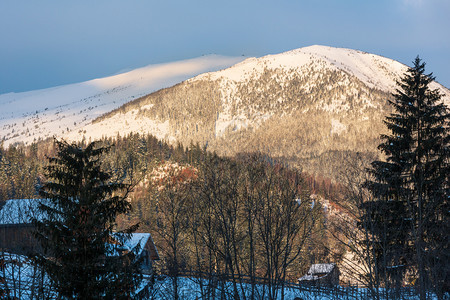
(313, 107)
(29, 116)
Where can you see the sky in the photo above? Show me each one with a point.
(48, 43)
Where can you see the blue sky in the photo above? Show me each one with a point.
(49, 42)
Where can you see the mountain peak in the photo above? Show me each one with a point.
(376, 71)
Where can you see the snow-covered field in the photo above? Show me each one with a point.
(189, 289)
(24, 281)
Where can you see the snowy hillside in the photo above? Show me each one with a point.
(29, 116)
(376, 71)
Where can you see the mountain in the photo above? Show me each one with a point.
(313, 107)
(30, 116)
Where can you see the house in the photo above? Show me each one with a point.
(16, 233)
(321, 274)
(16, 228)
(146, 250)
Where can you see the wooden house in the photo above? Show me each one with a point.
(146, 250)
(321, 274)
(16, 228)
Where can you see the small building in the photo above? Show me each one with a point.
(321, 274)
(16, 228)
(147, 250)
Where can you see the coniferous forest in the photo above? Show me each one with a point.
(234, 224)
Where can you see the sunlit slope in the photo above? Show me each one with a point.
(308, 106)
(30, 116)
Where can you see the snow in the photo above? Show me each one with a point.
(29, 116)
(337, 127)
(137, 239)
(321, 268)
(317, 271)
(122, 124)
(23, 279)
(226, 120)
(189, 289)
(374, 70)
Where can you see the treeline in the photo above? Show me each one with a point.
(21, 166)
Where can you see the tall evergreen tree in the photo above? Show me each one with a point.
(411, 214)
(84, 257)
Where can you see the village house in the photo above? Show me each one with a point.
(321, 274)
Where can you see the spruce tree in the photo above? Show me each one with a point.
(83, 256)
(410, 216)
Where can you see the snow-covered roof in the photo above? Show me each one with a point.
(321, 268)
(137, 239)
(317, 271)
(308, 277)
(143, 240)
(19, 211)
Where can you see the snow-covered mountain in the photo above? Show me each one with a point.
(309, 106)
(30, 116)
(312, 106)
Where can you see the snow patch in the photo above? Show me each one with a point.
(337, 127)
(123, 124)
(336, 106)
